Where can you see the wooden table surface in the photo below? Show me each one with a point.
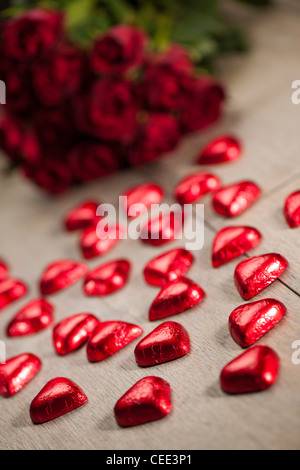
(261, 113)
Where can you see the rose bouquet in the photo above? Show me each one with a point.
(79, 108)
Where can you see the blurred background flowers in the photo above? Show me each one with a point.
(93, 86)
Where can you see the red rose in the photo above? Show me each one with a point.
(159, 134)
(91, 160)
(30, 149)
(31, 34)
(10, 136)
(118, 50)
(55, 127)
(59, 75)
(166, 80)
(203, 104)
(51, 174)
(109, 111)
(19, 98)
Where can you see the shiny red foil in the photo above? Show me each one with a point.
(232, 200)
(175, 297)
(109, 337)
(292, 209)
(254, 370)
(72, 332)
(91, 245)
(11, 289)
(82, 216)
(166, 342)
(249, 322)
(33, 317)
(107, 278)
(231, 242)
(148, 400)
(146, 194)
(168, 266)
(61, 274)
(17, 372)
(162, 229)
(57, 397)
(253, 275)
(193, 187)
(223, 149)
(3, 270)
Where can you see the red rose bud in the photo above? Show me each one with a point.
(203, 104)
(10, 136)
(159, 134)
(52, 175)
(59, 75)
(31, 34)
(109, 110)
(90, 160)
(120, 49)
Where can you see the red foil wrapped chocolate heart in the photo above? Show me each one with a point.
(148, 400)
(33, 317)
(231, 242)
(91, 245)
(145, 194)
(166, 342)
(223, 149)
(249, 322)
(292, 209)
(253, 275)
(72, 332)
(11, 289)
(232, 200)
(3, 270)
(61, 274)
(17, 372)
(109, 337)
(168, 266)
(107, 278)
(254, 370)
(163, 228)
(175, 297)
(195, 186)
(82, 216)
(57, 397)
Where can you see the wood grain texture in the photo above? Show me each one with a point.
(261, 113)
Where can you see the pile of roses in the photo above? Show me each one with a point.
(73, 115)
